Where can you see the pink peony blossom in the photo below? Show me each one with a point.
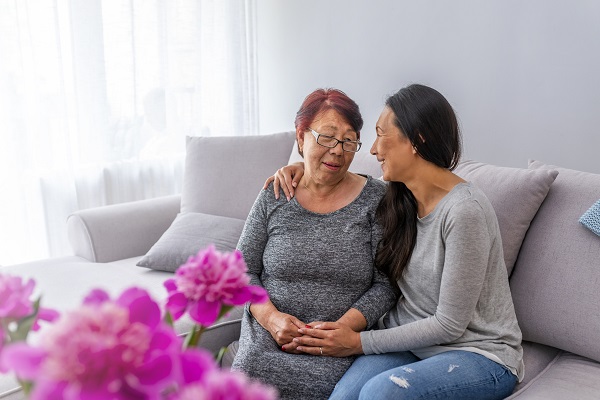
(15, 296)
(209, 280)
(225, 385)
(104, 349)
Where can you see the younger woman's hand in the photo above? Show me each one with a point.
(329, 339)
(287, 179)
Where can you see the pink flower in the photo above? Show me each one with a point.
(209, 280)
(104, 349)
(14, 297)
(225, 385)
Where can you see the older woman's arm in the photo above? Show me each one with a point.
(253, 240)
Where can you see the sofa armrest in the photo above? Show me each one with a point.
(119, 231)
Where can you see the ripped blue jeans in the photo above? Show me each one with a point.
(451, 375)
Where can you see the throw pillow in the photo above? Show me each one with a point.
(223, 175)
(515, 193)
(189, 233)
(591, 218)
(555, 283)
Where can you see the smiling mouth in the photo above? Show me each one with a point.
(331, 166)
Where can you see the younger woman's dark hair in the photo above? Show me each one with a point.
(426, 118)
(322, 100)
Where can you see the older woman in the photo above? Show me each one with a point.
(314, 254)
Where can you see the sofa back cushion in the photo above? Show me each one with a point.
(516, 195)
(223, 175)
(555, 284)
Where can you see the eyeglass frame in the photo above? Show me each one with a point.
(317, 135)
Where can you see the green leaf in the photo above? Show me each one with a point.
(25, 324)
(168, 318)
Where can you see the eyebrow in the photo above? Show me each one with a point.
(334, 128)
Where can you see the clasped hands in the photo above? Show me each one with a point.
(317, 338)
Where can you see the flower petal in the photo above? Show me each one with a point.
(204, 312)
(163, 338)
(195, 363)
(255, 294)
(23, 359)
(45, 314)
(129, 295)
(144, 310)
(155, 371)
(45, 389)
(176, 304)
(96, 297)
(170, 285)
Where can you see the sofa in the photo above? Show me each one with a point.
(553, 260)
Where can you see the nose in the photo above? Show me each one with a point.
(337, 149)
(373, 149)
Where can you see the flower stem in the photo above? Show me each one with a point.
(193, 336)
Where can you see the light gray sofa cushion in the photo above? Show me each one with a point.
(189, 233)
(223, 175)
(555, 282)
(568, 376)
(516, 195)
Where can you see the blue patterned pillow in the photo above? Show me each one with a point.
(591, 218)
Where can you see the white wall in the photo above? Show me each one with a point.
(523, 76)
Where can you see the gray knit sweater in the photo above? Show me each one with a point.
(315, 267)
(455, 292)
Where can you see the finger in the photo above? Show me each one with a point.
(291, 348)
(315, 351)
(297, 177)
(297, 323)
(276, 187)
(281, 183)
(290, 184)
(313, 332)
(269, 180)
(327, 325)
(309, 341)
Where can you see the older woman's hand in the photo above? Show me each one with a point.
(287, 179)
(291, 347)
(329, 339)
(284, 327)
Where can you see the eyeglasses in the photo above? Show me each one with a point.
(330, 142)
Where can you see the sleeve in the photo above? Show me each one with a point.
(375, 302)
(467, 244)
(254, 237)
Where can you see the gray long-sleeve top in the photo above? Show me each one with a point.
(455, 291)
(315, 267)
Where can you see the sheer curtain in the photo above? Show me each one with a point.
(97, 96)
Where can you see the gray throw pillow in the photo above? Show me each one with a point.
(516, 195)
(189, 233)
(555, 283)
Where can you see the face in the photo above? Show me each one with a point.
(327, 165)
(392, 148)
